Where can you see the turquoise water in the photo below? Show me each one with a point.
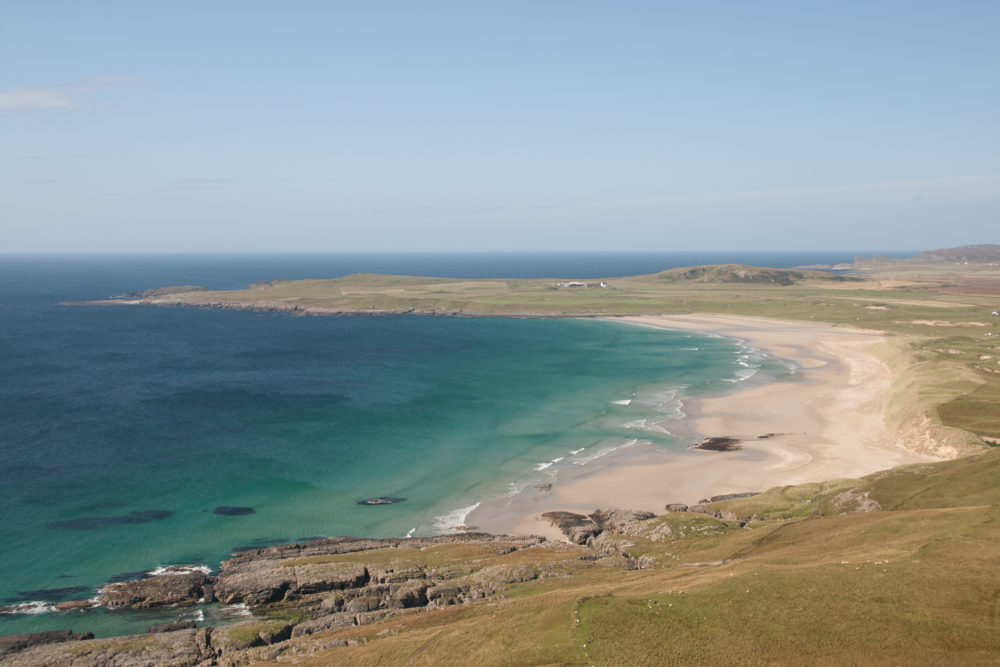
(122, 429)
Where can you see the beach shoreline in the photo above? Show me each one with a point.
(828, 425)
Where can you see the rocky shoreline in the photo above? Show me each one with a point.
(293, 590)
(320, 594)
(306, 591)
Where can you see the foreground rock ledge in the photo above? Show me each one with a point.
(302, 595)
(303, 588)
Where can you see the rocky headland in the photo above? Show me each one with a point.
(293, 591)
(300, 594)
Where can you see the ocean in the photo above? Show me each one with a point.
(137, 438)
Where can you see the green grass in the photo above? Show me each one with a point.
(244, 636)
(914, 585)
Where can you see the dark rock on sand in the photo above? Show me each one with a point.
(720, 444)
(676, 507)
(227, 510)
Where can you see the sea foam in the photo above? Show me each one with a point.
(604, 451)
(235, 611)
(451, 521)
(166, 571)
(29, 608)
(646, 425)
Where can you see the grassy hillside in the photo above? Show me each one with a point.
(799, 576)
(895, 568)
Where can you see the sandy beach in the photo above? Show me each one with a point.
(827, 426)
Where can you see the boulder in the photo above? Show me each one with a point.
(410, 594)
(72, 605)
(576, 527)
(441, 596)
(676, 507)
(362, 604)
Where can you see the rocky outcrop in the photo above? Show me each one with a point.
(720, 444)
(11, 644)
(381, 500)
(257, 582)
(169, 649)
(729, 496)
(171, 626)
(311, 587)
(576, 527)
(73, 605)
(854, 500)
(581, 529)
(292, 571)
(180, 586)
(620, 521)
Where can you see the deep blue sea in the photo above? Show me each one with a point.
(122, 430)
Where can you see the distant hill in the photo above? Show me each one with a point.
(739, 273)
(981, 253)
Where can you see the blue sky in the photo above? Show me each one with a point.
(325, 126)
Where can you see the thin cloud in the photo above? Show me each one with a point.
(49, 98)
(33, 99)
